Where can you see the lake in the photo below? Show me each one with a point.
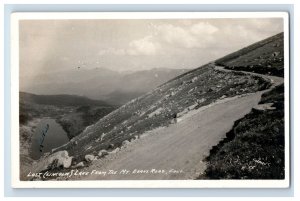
(47, 136)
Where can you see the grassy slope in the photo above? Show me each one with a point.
(265, 57)
(254, 148)
(197, 88)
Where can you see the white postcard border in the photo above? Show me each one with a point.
(16, 183)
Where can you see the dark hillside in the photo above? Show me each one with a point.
(254, 148)
(73, 113)
(264, 57)
(60, 100)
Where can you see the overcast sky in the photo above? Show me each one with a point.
(129, 45)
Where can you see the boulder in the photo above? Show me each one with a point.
(264, 107)
(102, 153)
(111, 146)
(193, 106)
(125, 143)
(59, 159)
(275, 54)
(115, 151)
(89, 158)
(81, 164)
(194, 79)
(155, 113)
(201, 100)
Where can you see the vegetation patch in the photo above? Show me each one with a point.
(254, 148)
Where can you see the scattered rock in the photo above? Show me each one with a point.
(224, 96)
(275, 54)
(179, 114)
(81, 164)
(191, 90)
(194, 79)
(125, 143)
(102, 153)
(263, 107)
(111, 146)
(89, 148)
(193, 106)
(115, 151)
(89, 158)
(201, 100)
(155, 113)
(102, 136)
(60, 159)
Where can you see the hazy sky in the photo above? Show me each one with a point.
(126, 45)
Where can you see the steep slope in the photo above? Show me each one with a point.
(265, 57)
(255, 147)
(157, 108)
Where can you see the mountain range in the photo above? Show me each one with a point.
(115, 88)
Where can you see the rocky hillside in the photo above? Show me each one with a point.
(254, 148)
(157, 108)
(265, 57)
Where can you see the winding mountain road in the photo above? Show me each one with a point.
(177, 151)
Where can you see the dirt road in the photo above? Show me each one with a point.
(181, 146)
(274, 79)
(177, 151)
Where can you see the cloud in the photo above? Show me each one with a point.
(176, 35)
(144, 46)
(195, 36)
(203, 28)
(186, 36)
